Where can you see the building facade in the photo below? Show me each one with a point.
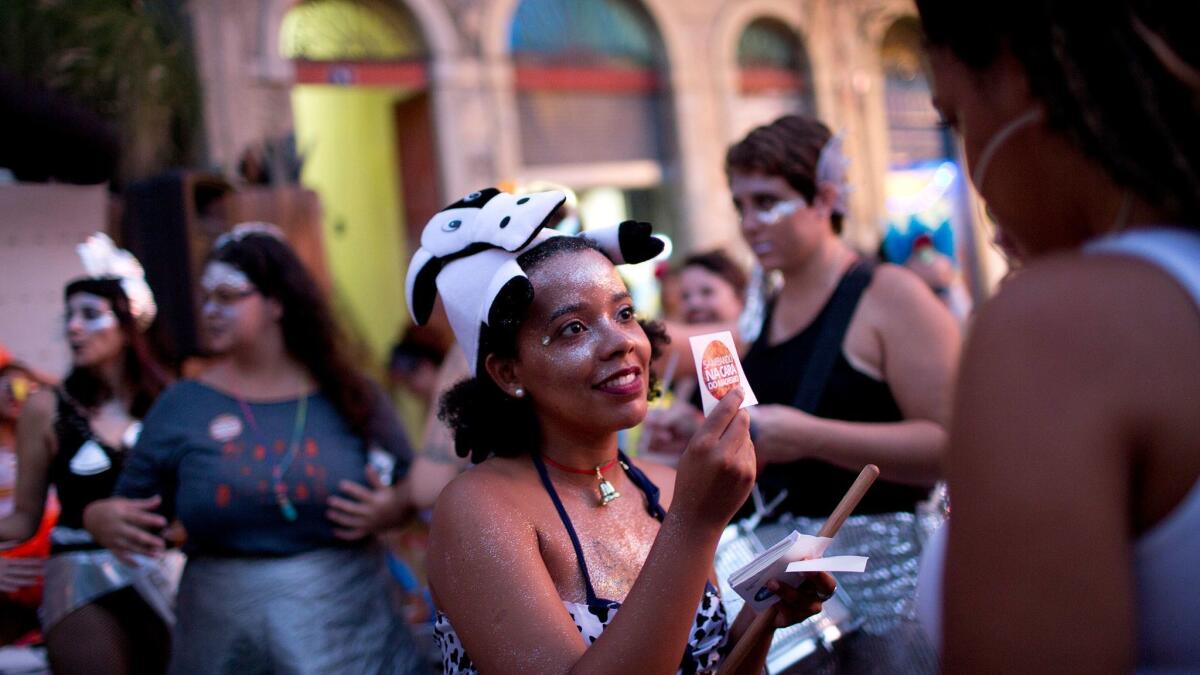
(399, 106)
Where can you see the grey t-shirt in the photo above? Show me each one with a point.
(213, 466)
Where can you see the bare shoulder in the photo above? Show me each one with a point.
(40, 408)
(1098, 304)
(893, 283)
(485, 496)
(35, 426)
(662, 476)
(1103, 343)
(898, 297)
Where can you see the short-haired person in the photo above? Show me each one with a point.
(1073, 468)
(852, 366)
(557, 552)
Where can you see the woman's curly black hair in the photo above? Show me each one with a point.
(1120, 79)
(484, 419)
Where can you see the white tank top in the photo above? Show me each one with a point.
(1167, 557)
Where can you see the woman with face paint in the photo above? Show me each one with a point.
(264, 459)
(99, 615)
(852, 366)
(1075, 538)
(556, 552)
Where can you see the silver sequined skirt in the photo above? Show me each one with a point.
(326, 611)
(78, 578)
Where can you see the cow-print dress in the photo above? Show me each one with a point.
(709, 631)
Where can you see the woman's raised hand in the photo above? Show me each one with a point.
(126, 526)
(717, 470)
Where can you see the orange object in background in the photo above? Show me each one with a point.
(36, 547)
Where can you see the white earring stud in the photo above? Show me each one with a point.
(519, 392)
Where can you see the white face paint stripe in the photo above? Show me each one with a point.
(99, 323)
(85, 304)
(219, 274)
(777, 213)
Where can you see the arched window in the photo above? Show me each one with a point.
(771, 59)
(585, 69)
(774, 75)
(360, 42)
(914, 131)
(594, 113)
(365, 130)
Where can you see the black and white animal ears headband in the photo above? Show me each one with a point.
(469, 252)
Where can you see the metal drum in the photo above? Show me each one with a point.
(792, 644)
(879, 603)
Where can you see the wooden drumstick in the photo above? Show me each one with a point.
(761, 629)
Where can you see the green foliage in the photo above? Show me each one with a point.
(128, 61)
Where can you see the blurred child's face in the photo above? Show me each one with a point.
(707, 296)
(15, 387)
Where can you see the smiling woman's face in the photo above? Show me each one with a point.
(582, 358)
(707, 296)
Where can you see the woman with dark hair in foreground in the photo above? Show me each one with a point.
(1074, 544)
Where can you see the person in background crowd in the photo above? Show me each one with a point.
(99, 614)
(265, 459)
(852, 366)
(413, 368)
(712, 288)
(1074, 473)
(21, 567)
(670, 302)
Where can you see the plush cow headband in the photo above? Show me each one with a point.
(469, 252)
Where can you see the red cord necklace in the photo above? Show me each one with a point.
(607, 492)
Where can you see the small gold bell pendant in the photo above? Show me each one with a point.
(607, 492)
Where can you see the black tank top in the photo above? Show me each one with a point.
(815, 487)
(95, 473)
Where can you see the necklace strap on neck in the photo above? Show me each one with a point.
(585, 472)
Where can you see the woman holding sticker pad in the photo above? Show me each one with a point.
(534, 565)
